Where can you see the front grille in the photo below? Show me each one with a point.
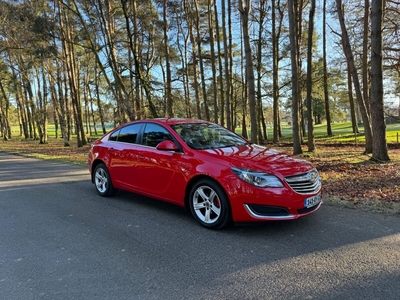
(306, 183)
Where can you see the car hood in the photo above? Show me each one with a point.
(260, 158)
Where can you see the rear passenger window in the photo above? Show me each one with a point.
(154, 134)
(129, 133)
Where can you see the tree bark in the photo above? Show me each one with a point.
(245, 8)
(220, 68)
(311, 142)
(226, 68)
(326, 92)
(379, 145)
(168, 89)
(213, 60)
(263, 136)
(201, 64)
(295, 76)
(275, 84)
(365, 67)
(351, 101)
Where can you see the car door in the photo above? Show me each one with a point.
(123, 157)
(157, 169)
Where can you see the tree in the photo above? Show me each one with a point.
(226, 68)
(311, 142)
(213, 58)
(70, 59)
(353, 70)
(294, 52)
(168, 90)
(245, 8)
(379, 145)
(325, 67)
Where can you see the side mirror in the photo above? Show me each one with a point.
(167, 145)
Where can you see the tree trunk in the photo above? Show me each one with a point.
(350, 59)
(245, 8)
(365, 67)
(184, 63)
(69, 57)
(275, 83)
(379, 145)
(220, 68)
(325, 78)
(295, 76)
(213, 60)
(4, 122)
(351, 100)
(263, 136)
(201, 64)
(194, 62)
(311, 142)
(168, 90)
(226, 68)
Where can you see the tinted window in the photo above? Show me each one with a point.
(154, 134)
(114, 136)
(128, 134)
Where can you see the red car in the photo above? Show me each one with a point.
(218, 175)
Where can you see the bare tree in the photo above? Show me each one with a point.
(226, 68)
(356, 82)
(71, 69)
(200, 60)
(168, 89)
(213, 60)
(245, 8)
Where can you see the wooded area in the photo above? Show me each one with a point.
(86, 65)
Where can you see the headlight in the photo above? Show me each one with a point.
(258, 179)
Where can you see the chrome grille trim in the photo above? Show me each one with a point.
(305, 183)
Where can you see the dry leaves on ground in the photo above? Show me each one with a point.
(351, 178)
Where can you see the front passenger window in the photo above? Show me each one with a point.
(154, 134)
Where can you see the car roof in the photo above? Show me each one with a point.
(171, 121)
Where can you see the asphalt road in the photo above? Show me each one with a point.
(60, 240)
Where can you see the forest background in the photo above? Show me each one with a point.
(254, 66)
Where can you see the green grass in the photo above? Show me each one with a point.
(342, 133)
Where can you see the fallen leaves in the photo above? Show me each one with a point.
(356, 178)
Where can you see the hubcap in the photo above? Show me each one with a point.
(206, 204)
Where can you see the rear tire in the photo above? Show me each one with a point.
(209, 204)
(102, 181)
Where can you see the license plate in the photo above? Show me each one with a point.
(312, 201)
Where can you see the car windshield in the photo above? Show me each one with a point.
(207, 136)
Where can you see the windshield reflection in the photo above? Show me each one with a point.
(201, 136)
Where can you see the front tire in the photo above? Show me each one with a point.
(209, 204)
(102, 181)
